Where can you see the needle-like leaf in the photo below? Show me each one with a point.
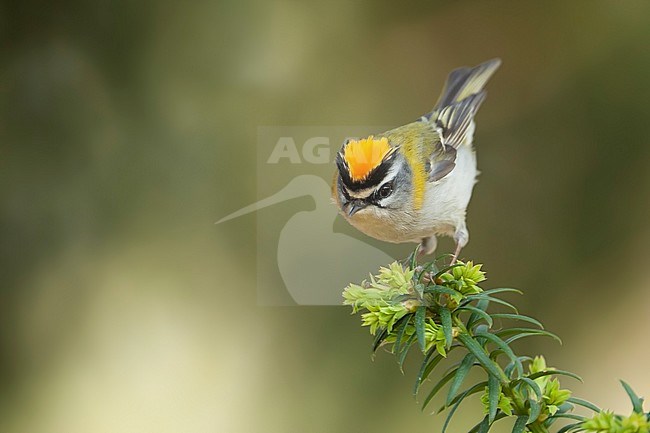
(405, 351)
(400, 330)
(554, 372)
(504, 347)
(535, 410)
(518, 333)
(584, 403)
(442, 382)
(485, 425)
(431, 359)
(494, 392)
(511, 366)
(481, 296)
(419, 326)
(447, 269)
(517, 317)
(429, 267)
(637, 402)
(532, 385)
(465, 365)
(379, 338)
(478, 313)
(413, 258)
(520, 424)
(557, 416)
(436, 290)
(481, 305)
(445, 318)
(502, 289)
(567, 428)
(477, 350)
(472, 390)
(453, 410)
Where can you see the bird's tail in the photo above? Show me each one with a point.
(465, 82)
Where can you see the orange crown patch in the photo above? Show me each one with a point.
(362, 156)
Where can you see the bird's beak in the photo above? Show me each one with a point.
(355, 206)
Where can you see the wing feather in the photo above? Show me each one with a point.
(455, 120)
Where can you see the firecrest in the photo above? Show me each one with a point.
(414, 182)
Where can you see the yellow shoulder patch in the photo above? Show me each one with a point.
(362, 156)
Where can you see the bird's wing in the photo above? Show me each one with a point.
(453, 115)
(455, 120)
(441, 162)
(452, 125)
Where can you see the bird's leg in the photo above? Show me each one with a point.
(456, 254)
(428, 246)
(461, 237)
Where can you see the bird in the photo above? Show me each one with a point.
(413, 183)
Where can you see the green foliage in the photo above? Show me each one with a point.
(608, 422)
(440, 309)
(611, 423)
(500, 402)
(378, 297)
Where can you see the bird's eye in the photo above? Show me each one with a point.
(385, 190)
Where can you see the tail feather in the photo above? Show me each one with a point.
(464, 82)
(462, 96)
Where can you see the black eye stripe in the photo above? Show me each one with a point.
(373, 198)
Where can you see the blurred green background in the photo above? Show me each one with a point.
(128, 128)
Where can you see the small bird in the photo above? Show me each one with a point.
(414, 182)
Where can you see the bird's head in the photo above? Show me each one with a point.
(372, 179)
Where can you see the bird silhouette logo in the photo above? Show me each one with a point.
(314, 261)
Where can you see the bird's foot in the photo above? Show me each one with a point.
(461, 237)
(454, 258)
(427, 246)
